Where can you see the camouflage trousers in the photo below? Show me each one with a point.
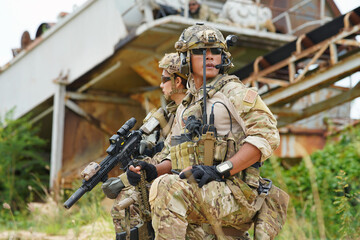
(177, 204)
(193, 231)
(118, 214)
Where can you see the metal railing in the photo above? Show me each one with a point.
(286, 15)
(146, 8)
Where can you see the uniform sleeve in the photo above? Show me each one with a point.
(261, 130)
(260, 123)
(163, 154)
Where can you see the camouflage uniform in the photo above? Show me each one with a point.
(170, 62)
(175, 203)
(204, 13)
(129, 192)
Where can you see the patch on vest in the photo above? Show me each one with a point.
(250, 96)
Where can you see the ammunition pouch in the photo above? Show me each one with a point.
(184, 155)
(207, 151)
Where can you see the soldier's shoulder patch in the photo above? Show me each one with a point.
(250, 96)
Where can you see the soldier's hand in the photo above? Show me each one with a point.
(202, 174)
(133, 173)
(112, 187)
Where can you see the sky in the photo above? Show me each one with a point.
(17, 16)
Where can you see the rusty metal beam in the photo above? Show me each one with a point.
(274, 81)
(101, 76)
(82, 113)
(348, 42)
(98, 98)
(285, 112)
(314, 82)
(321, 47)
(42, 115)
(318, 107)
(312, 61)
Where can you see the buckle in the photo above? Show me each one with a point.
(257, 165)
(265, 188)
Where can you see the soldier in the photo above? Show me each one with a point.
(173, 85)
(219, 160)
(201, 11)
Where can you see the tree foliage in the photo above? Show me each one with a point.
(21, 160)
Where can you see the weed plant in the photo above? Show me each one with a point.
(24, 177)
(325, 190)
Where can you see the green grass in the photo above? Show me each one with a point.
(52, 218)
(324, 190)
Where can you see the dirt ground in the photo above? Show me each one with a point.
(97, 230)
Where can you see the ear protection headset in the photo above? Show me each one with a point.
(186, 65)
(225, 65)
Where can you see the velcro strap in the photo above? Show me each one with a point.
(124, 179)
(259, 201)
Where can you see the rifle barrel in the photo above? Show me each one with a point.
(75, 197)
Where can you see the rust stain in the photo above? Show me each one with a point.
(311, 141)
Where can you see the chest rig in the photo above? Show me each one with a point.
(198, 146)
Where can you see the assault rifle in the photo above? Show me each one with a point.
(124, 146)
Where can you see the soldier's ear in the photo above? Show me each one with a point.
(178, 82)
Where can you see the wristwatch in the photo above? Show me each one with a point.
(224, 168)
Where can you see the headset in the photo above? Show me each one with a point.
(231, 40)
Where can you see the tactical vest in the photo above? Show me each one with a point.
(208, 149)
(271, 206)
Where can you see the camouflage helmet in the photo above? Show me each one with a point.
(200, 36)
(171, 63)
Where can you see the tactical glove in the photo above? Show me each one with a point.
(112, 187)
(150, 170)
(147, 148)
(202, 174)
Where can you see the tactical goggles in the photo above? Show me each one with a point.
(165, 79)
(199, 51)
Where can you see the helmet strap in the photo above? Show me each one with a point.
(188, 60)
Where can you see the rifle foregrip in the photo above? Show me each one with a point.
(75, 197)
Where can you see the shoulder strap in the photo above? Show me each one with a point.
(225, 79)
(221, 83)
